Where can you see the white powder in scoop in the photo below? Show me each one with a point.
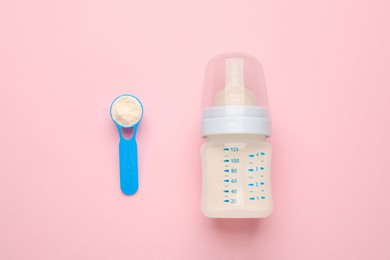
(126, 111)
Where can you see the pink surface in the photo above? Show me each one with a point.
(327, 65)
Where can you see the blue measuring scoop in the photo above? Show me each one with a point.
(126, 111)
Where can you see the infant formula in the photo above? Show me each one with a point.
(236, 158)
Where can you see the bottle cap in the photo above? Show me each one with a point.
(235, 96)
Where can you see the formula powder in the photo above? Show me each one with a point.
(126, 111)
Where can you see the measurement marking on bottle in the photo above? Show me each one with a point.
(253, 176)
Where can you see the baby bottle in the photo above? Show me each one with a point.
(236, 157)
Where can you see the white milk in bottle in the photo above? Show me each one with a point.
(236, 157)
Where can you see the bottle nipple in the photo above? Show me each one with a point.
(235, 92)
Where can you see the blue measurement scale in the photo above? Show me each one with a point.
(243, 175)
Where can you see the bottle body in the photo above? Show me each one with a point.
(236, 181)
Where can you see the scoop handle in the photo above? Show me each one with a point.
(128, 161)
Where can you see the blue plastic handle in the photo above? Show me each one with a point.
(128, 161)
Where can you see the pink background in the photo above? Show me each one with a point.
(327, 65)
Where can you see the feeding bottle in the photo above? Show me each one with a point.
(236, 157)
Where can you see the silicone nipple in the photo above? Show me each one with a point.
(235, 92)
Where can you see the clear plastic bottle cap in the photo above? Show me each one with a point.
(235, 96)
